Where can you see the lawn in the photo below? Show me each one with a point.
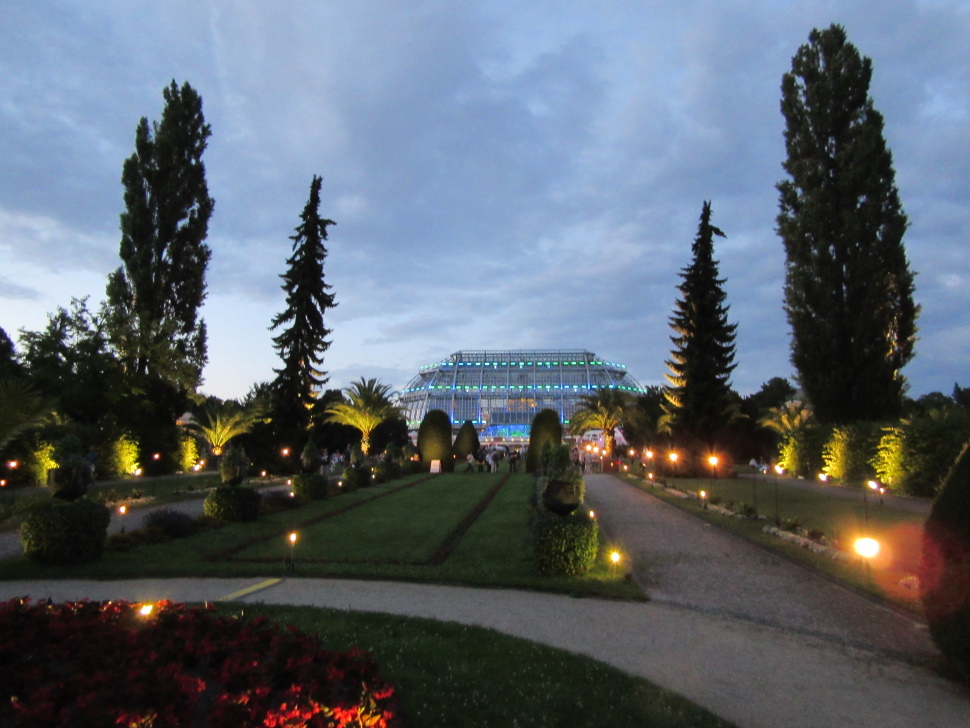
(454, 675)
(841, 516)
(454, 528)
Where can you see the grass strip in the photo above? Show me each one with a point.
(449, 675)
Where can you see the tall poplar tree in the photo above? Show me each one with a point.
(848, 288)
(303, 340)
(699, 403)
(155, 296)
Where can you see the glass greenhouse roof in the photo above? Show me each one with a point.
(504, 389)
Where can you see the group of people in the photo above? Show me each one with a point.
(490, 458)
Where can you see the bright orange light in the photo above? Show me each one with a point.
(867, 547)
(632, 452)
(123, 510)
(592, 515)
(779, 470)
(13, 464)
(289, 481)
(138, 471)
(262, 474)
(712, 460)
(157, 456)
(873, 484)
(146, 609)
(285, 451)
(823, 477)
(650, 475)
(293, 538)
(650, 454)
(703, 494)
(673, 457)
(615, 557)
(3, 483)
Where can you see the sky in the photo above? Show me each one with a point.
(503, 175)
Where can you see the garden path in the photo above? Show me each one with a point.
(757, 640)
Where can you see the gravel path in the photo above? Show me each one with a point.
(682, 561)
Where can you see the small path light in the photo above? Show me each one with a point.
(122, 511)
(867, 548)
(146, 610)
(703, 496)
(291, 565)
(778, 471)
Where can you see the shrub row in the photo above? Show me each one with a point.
(65, 533)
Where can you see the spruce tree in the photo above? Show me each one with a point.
(303, 339)
(699, 403)
(848, 288)
(155, 296)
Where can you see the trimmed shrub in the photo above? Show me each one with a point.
(434, 440)
(945, 567)
(564, 545)
(561, 488)
(466, 441)
(546, 427)
(234, 465)
(232, 503)
(311, 487)
(357, 477)
(174, 524)
(65, 533)
(386, 471)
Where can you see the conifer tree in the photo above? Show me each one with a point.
(303, 339)
(155, 296)
(848, 288)
(698, 402)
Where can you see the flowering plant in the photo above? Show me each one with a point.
(113, 664)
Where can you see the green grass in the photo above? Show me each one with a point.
(898, 530)
(388, 531)
(454, 675)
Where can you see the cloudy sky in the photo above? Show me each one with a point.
(503, 174)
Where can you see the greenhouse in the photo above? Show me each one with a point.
(501, 391)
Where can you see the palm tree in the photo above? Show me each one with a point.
(788, 418)
(221, 426)
(20, 408)
(367, 405)
(605, 410)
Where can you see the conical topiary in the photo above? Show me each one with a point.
(945, 567)
(466, 441)
(434, 440)
(546, 427)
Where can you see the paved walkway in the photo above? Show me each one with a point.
(758, 640)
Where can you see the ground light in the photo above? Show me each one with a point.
(146, 610)
(122, 511)
(778, 471)
(614, 561)
(712, 461)
(291, 565)
(867, 547)
(703, 496)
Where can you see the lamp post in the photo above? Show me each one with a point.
(672, 456)
(777, 470)
(291, 564)
(649, 469)
(712, 461)
(121, 511)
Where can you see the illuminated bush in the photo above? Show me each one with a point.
(546, 427)
(434, 440)
(564, 545)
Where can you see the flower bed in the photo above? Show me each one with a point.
(108, 664)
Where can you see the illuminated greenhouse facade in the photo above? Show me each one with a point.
(501, 391)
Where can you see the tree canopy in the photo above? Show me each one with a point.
(367, 404)
(302, 340)
(848, 288)
(699, 402)
(155, 296)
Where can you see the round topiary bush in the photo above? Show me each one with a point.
(65, 533)
(945, 567)
(234, 465)
(564, 545)
(546, 428)
(310, 487)
(231, 503)
(173, 523)
(434, 440)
